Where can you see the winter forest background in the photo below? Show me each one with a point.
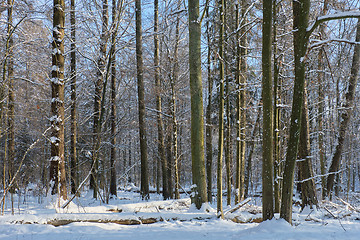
(248, 100)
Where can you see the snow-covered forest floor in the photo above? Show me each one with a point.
(128, 217)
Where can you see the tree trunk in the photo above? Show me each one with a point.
(321, 99)
(346, 114)
(221, 111)
(209, 151)
(73, 139)
(267, 151)
(144, 189)
(11, 95)
(57, 161)
(161, 147)
(115, 14)
(197, 120)
(301, 17)
(307, 184)
(241, 99)
(251, 151)
(277, 115)
(175, 79)
(99, 88)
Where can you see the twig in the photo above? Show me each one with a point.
(335, 218)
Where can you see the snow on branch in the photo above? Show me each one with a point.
(340, 40)
(335, 16)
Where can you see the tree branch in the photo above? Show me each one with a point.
(335, 16)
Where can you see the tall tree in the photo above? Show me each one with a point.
(115, 11)
(197, 119)
(277, 115)
(346, 113)
(11, 95)
(73, 139)
(241, 68)
(321, 98)
(221, 110)
(101, 74)
(209, 151)
(267, 151)
(161, 147)
(301, 17)
(57, 161)
(144, 189)
(175, 78)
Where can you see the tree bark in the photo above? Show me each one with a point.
(251, 151)
(321, 99)
(73, 139)
(209, 150)
(307, 184)
(345, 115)
(144, 189)
(277, 114)
(267, 95)
(197, 119)
(161, 146)
(11, 95)
(241, 99)
(175, 79)
(57, 160)
(221, 111)
(115, 19)
(99, 88)
(301, 18)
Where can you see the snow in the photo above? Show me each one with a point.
(177, 220)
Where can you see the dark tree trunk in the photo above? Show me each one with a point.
(267, 95)
(301, 17)
(144, 189)
(307, 184)
(209, 150)
(114, 28)
(73, 139)
(99, 88)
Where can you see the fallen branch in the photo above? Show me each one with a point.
(352, 208)
(335, 218)
(239, 205)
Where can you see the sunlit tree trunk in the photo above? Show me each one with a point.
(175, 79)
(57, 161)
(241, 99)
(277, 114)
(197, 119)
(221, 110)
